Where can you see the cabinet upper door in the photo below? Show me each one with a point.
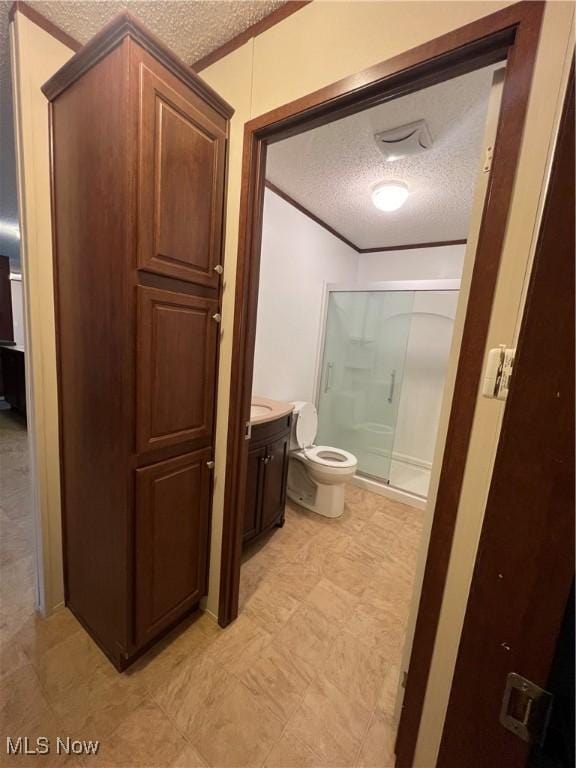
(181, 183)
(171, 538)
(177, 342)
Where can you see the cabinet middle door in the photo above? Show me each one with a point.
(177, 342)
(172, 538)
(181, 184)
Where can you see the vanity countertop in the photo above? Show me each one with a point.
(263, 410)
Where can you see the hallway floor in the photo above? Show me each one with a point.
(306, 676)
(17, 570)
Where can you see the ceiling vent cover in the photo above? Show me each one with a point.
(404, 141)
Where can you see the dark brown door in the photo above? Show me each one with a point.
(274, 490)
(182, 155)
(525, 564)
(254, 479)
(172, 536)
(177, 342)
(6, 325)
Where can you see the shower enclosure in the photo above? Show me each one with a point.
(380, 383)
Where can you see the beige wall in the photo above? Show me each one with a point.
(235, 91)
(316, 46)
(36, 55)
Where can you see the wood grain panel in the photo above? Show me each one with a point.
(177, 339)
(94, 331)
(181, 171)
(172, 530)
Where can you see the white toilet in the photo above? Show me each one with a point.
(316, 473)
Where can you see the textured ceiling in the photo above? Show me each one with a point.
(331, 170)
(191, 28)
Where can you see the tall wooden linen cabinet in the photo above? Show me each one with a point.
(138, 147)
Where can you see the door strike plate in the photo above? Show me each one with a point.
(525, 709)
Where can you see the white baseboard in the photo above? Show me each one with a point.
(392, 493)
(413, 460)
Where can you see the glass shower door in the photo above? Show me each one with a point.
(365, 345)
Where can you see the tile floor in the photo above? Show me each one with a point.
(306, 676)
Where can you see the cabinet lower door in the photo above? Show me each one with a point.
(274, 490)
(172, 539)
(253, 493)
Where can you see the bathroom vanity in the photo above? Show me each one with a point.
(267, 466)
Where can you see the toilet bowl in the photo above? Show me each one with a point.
(316, 473)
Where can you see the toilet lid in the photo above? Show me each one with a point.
(306, 425)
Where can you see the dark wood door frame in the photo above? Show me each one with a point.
(510, 34)
(525, 564)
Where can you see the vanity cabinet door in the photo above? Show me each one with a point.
(274, 487)
(172, 537)
(254, 478)
(181, 182)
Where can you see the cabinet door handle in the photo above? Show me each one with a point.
(210, 464)
(219, 269)
(266, 459)
(217, 317)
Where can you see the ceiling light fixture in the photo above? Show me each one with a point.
(390, 195)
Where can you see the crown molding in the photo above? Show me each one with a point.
(253, 31)
(378, 249)
(412, 246)
(111, 35)
(44, 23)
(309, 214)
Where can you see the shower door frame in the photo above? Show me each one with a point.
(378, 286)
(510, 34)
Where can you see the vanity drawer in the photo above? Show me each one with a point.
(262, 433)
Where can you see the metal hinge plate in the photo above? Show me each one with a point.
(488, 159)
(525, 709)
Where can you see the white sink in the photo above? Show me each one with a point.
(257, 411)
(262, 410)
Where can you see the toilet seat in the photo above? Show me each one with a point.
(327, 456)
